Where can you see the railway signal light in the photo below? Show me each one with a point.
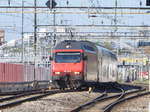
(147, 2)
(51, 4)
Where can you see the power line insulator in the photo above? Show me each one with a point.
(67, 2)
(140, 3)
(51, 4)
(9, 2)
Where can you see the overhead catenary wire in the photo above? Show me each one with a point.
(71, 12)
(75, 7)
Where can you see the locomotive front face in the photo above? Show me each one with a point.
(67, 63)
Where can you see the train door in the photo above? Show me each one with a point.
(99, 67)
(85, 67)
(92, 66)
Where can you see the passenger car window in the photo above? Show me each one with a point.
(88, 48)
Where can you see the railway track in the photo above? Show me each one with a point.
(112, 105)
(103, 103)
(20, 98)
(106, 101)
(20, 94)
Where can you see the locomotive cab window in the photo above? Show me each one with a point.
(68, 57)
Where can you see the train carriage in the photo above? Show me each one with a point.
(75, 62)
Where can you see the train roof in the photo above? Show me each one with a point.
(69, 44)
(85, 45)
(73, 44)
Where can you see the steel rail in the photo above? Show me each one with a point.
(14, 103)
(103, 95)
(120, 97)
(20, 92)
(109, 106)
(108, 109)
(21, 95)
(90, 102)
(104, 98)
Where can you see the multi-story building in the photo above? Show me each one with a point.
(2, 36)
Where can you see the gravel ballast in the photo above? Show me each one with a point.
(63, 102)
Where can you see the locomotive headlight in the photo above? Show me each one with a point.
(57, 72)
(76, 72)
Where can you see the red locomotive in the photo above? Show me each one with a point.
(75, 62)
